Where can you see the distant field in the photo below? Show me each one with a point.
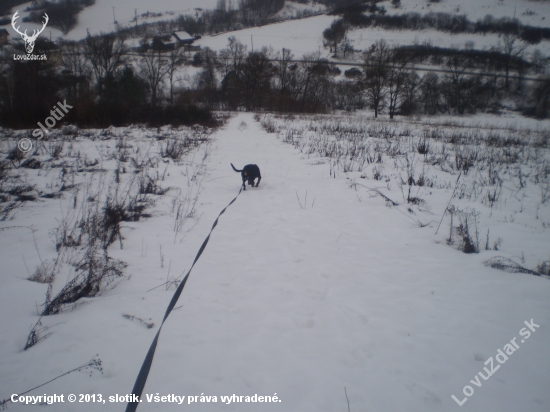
(99, 18)
(532, 12)
(306, 36)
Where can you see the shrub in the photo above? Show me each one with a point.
(463, 229)
(95, 271)
(55, 148)
(116, 210)
(465, 158)
(32, 163)
(44, 273)
(353, 73)
(544, 268)
(37, 334)
(148, 185)
(423, 146)
(15, 155)
(175, 148)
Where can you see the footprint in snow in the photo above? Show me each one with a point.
(353, 314)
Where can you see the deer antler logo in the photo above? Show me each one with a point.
(29, 40)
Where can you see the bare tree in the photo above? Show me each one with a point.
(282, 70)
(301, 78)
(231, 59)
(455, 85)
(512, 48)
(153, 67)
(206, 79)
(541, 97)
(256, 79)
(176, 59)
(376, 74)
(429, 93)
(106, 54)
(396, 76)
(75, 63)
(311, 84)
(347, 46)
(410, 92)
(539, 61)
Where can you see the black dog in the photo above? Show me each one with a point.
(249, 172)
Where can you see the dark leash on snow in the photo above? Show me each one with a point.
(148, 361)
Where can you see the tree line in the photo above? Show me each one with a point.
(107, 85)
(387, 83)
(355, 16)
(104, 85)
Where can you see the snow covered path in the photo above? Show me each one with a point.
(302, 298)
(342, 293)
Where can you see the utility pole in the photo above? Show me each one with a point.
(114, 20)
(135, 12)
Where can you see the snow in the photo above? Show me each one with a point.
(307, 289)
(305, 36)
(99, 17)
(362, 39)
(293, 10)
(529, 12)
(183, 35)
(302, 36)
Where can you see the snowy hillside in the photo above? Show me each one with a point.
(313, 288)
(531, 12)
(99, 17)
(102, 15)
(306, 36)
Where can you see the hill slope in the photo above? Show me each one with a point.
(305, 289)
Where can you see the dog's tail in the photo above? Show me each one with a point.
(238, 171)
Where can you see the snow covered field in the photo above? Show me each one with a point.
(305, 36)
(311, 287)
(301, 36)
(99, 17)
(531, 12)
